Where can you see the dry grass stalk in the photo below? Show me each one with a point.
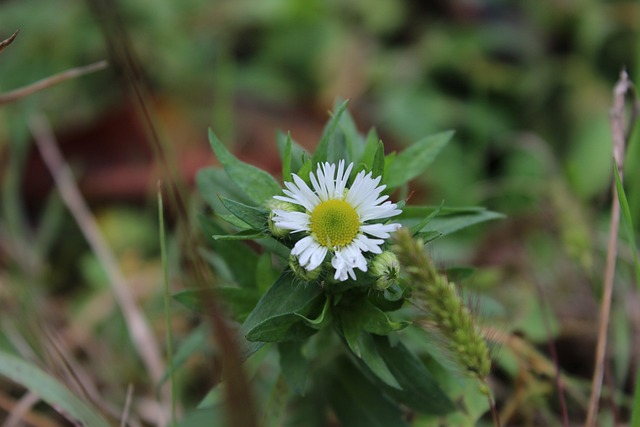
(619, 141)
(139, 330)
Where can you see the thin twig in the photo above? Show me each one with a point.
(7, 42)
(47, 82)
(127, 406)
(139, 330)
(25, 404)
(618, 135)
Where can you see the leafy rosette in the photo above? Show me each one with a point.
(321, 262)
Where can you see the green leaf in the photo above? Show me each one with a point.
(356, 401)
(297, 154)
(243, 235)
(352, 138)
(323, 152)
(415, 229)
(324, 318)
(50, 390)
(256, 218)
(214, 416)
(449, 220)
(257, 184)
(265, 273)
(234, 220)
(428, 236)
(195, 342)
(286, 160)
(457, 274)
(240, 301)
(370, 149)
(293, 326)
(418, 387)
(415, 159)
(305, 170)
(294, 365)
(281, 328)
(214, 182)
(286, 296)
(358, 321)
(378, 162)
(239, 258)
(627, 222)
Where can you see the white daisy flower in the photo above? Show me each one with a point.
(336, 218)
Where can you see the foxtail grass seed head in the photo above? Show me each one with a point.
(336, 221)
(443, 305)
(385, 267)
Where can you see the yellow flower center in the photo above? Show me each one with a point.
(334, 223)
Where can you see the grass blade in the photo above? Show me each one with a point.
(50, 390)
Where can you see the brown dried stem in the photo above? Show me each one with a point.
(139, 330)
(16, 94)
(7, 42)
(619, 141)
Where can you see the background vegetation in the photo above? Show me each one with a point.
(525, 85)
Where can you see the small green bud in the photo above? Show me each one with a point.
(386, 268)
(301, 272)
(283, 206)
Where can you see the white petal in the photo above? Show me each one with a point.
(310, 254)
(380, 230)
(366, 244)
(308, 198)
(296, 221)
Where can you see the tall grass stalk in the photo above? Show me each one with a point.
(167, 303)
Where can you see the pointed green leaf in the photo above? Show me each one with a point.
(378, 162)
(356, 401)
(354, 143)
(237, 256)
(418, 387)
(234, 220)
(214, 182)
(280, 328)
(297, 155)
(294, 365)
(448, 220)
(49, 390)
(415, 159)
(415, 229)
(257, 184)
(286, 160)
(357, 321)
(256, 218)
(195, 342)
(305, 170)
(242, 235)
(323, 150)
(265, 273)
(370, 149)
(286, 296)
(292, 326)
(627, 222)
(239, 301)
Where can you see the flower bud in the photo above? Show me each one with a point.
(301, 272)
(283, 206)
(386, 269)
